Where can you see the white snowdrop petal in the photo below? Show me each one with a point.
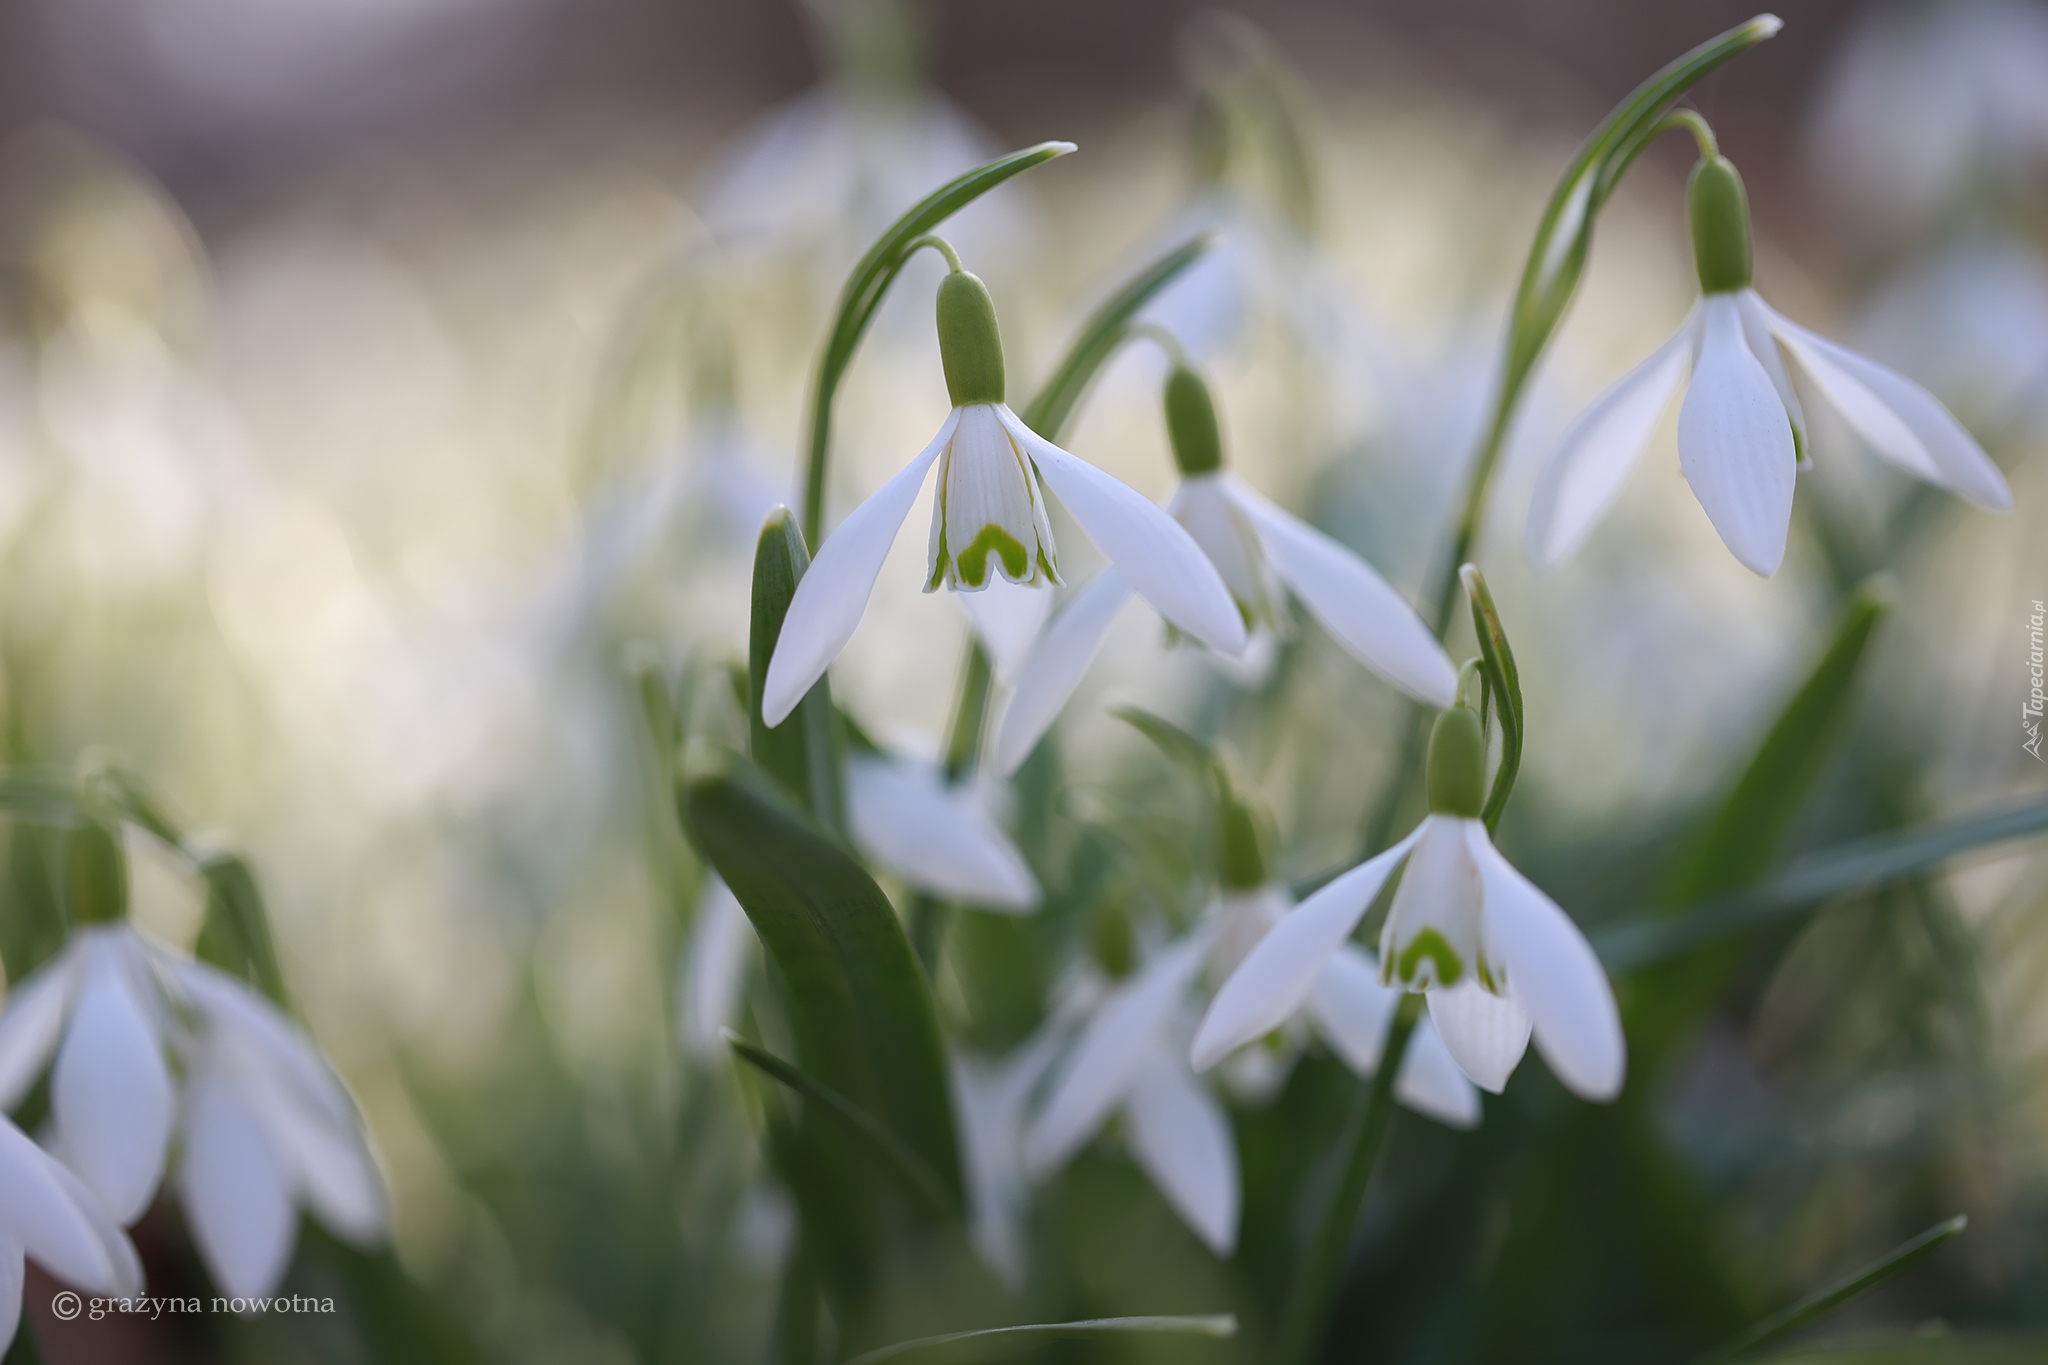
(714, 967)
(1203, 506)
(1756, 334)
(1735, 444)
(13, 1279)
(986, 485)
(833, 594)
(1435, 909)
(1901, 421)
(283, 1047)
(1554, 974)
(1360, 609)
(29, 1026)
(1056, 667)
(233, 1189)
(125, 1266)
(40, 1212)
(1431, 1083)
(110, 1095)
(1156, 557)
(1582, 477)
(1008, 619)
(328, 1162)
(1278, 974)
(1351, 1009)
(1484, 1034)
(1097, 1075)
(1182, 1137)
(937, 837)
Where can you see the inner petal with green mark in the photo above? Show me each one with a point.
(989, 517)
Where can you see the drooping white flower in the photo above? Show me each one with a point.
(989, 519)
(1497, 958)
(1741, 434)
(991, 1096)
(936, 835)
(1261, 552)
(48, 1216)
(260, 1122)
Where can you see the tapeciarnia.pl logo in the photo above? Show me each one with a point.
(2030, 714)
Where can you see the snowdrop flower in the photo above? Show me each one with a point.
(48, 1216)
(1126, 1061)
(991, 1097)
(989, 519)
(1741, 435)
(938, 836)
(260, 1122)
(714, 969)
(1262, 553)
(1496, 957)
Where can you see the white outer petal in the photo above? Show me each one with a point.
(833, 593)
(1158, 559)
(1056, 667)
(54, 1219)
(110, 1095)
(1277, 975)
(937, 837)
(1351, 1009)
(1554, 974)
(1901, 421)
(1735, 442)
(1182, 1138)
(1756, 334)
(1431, 1083)
(126, 1266)
(1484, 1034)
(1360, 609)
(271, 1036)
(13, 1280)
(1580, 480)
(233, 1188)
(32, 1021)
(1106, 1059)
(1008, 619)
(714, 968)
(327, 1162)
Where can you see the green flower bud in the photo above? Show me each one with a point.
(969, 342)
(1241, 843)
(96, 876)
(1191, 423)
(1720, 226)
(1111, 939)
(1457, 764)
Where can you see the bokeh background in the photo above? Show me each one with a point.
(379, 378)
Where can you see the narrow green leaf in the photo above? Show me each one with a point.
(1814, 1307)
(1213, 1325)
(888, 1149)
(38, 796)
(1176, 743)
(1504, 686)
(865, 289)
(1054, 403)
(1933, 1348)
(860, 1008)
(799, 753)
(1858, 866)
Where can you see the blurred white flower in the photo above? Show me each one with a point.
(936, 835)
(1495, 955)
(1261, 551)
(48, 1216)
(262, 1123)
(990, 1097)
(714, 969)
(1741, 434)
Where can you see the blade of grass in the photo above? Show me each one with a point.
(1214, 1325)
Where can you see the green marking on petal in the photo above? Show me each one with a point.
(974, 559)
(1430, 944)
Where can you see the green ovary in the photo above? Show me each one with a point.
(1431, 945)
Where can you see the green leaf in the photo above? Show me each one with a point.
(1503, 686)
(1938, 1348)
(888, 1149)
(39, 796)
(859, 1006)
(1213, 1325)
(1744, 837)
(865, 289)
(235, 935)
(1814, 1307)
(801, 756)
(1105, 330)
(1858, 866)
(1176, 743)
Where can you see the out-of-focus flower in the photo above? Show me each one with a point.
(714, 968)
(1495, 955)
(1741, 435)
(990, 1098)
(1261, 552)
(934, 834)
(262, 1124)
(48, 1216)
(988, 520)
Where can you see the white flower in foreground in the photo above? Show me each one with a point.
(47, 1216)
(1495, 955)
(261, 1123)
(1741, 435)
(989, 519)
(1262, 553)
